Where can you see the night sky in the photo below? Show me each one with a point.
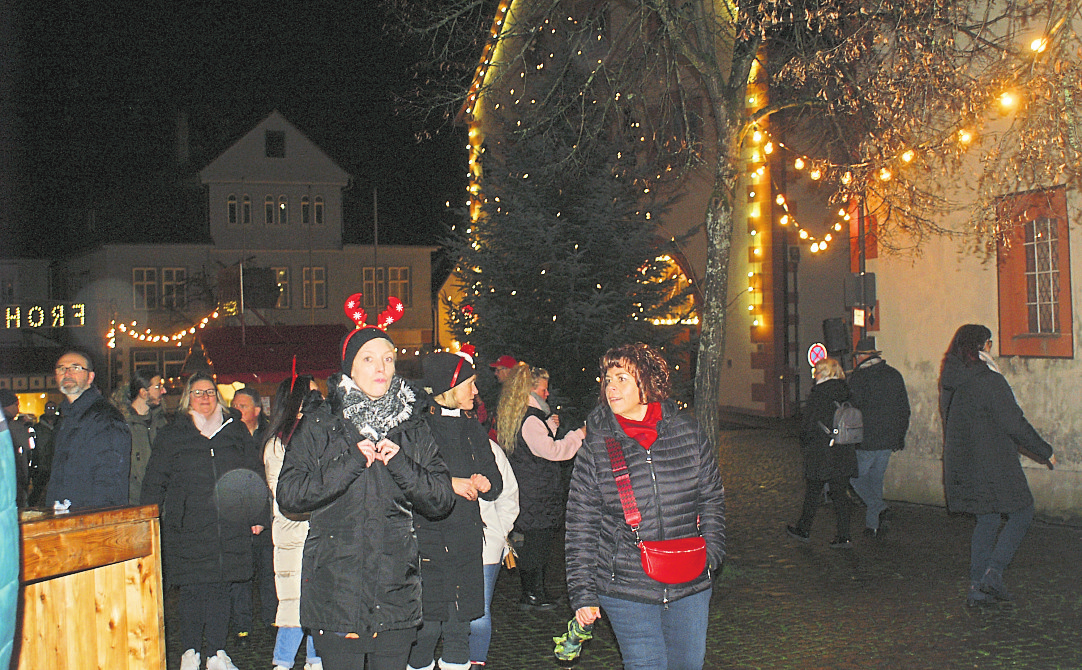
(91, 93)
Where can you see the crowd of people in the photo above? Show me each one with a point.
(372, 523)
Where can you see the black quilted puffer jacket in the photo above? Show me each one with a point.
(679, 493)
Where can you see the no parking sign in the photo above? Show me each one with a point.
(816, 353)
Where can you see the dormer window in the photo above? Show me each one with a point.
(275, 143)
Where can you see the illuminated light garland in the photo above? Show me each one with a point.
(148, 335)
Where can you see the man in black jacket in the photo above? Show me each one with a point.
(878, 391)
(92, 447)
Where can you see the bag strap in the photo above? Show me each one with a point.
(623, 484)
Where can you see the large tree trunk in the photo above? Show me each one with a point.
(719, 235)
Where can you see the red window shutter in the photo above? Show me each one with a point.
(1022, 331)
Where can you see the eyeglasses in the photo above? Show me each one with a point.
(201, 393)
(64, 369)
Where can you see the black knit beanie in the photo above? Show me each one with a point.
(354, 340)
(444, 371)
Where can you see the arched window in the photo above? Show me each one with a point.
(231, 209)
(306, 211)
(283, 210)
(246, 210)
(319, 210)
(268, 210)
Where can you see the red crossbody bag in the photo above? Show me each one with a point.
(667, 561)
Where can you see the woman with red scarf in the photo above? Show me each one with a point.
(677, 489)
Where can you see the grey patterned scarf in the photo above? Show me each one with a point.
(374, 418)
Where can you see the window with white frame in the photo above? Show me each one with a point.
(231, 209)
(315, 287)
(283, 210)
(174, 288)
(281, 276)
(373, 289)
(246, 210)
(1034, 268)
(398, 284)
(306, 211)
(144, 288)
(268, 210)
(319, 210)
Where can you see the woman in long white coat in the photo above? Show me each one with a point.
(289, 531)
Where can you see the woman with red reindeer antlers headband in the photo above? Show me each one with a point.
(361, 465)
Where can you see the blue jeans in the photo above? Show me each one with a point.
(481, 629)
(660, 637)
(987, 550)
(871, 468)
(286, 644)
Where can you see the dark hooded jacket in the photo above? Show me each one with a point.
(822, 460)
(360, 571)
(204, 539)
(678, 491)
(984, 430)
(451, 561)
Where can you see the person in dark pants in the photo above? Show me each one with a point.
(527, 432)
(362, 465)
(984, 430)
(452, 576)
(205, 547)
(878, 391)
(824, 461)
(249, 403)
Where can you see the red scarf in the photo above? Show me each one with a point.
(644, 432)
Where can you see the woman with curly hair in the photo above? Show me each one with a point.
(673, 475)
(526, 429)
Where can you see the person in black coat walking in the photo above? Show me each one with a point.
(824, 461)
(206, 531)
(363, 465)
(878, 391)
(984, 430)
(453, 585)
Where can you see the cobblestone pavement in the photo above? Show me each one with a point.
(898, 602)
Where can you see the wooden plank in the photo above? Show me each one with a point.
(57, 553)
(110, 613)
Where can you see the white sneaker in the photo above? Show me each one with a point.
(220, 661)
(313, 666)
(190, 660)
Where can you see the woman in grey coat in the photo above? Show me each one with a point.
(984, 430)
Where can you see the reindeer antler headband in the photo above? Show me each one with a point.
(356, 314)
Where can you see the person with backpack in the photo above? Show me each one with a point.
(829, 451)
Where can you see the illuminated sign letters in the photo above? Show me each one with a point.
(54, 315)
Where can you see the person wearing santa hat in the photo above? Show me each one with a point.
(362, 464)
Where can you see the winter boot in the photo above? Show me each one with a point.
(220, 661)
(533, 595)
(190, 660)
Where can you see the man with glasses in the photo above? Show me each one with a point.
(92, 446)
(144, 415)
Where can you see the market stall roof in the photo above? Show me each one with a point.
(264, 354)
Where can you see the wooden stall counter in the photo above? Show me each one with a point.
(91, 590)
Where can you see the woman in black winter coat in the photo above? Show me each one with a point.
(205, 544)
(984, 430)
(678, 491)
(824, 461)
(451, 564)
(362, 465)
